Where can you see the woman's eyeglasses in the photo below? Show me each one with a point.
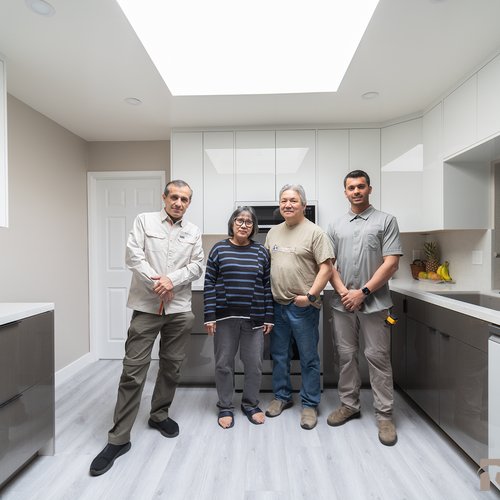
(241, 222)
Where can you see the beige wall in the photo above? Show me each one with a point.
(133, 155)
(44, 249)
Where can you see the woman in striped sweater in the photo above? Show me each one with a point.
(238, 313)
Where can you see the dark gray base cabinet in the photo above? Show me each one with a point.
(26, 391)
(445, 369)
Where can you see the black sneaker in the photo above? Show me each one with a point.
(105, 460)
(167, 428)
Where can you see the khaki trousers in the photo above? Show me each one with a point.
(144, 328)
(377, 336)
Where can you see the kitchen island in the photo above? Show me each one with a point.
(27, 406)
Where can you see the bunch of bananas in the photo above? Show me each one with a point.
(444, 272)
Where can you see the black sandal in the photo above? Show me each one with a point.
(225, 413)
(250, 413)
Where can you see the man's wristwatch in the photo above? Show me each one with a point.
(312, 298)
(366, 290)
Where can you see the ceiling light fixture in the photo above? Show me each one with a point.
(41, 7)
(370, 95)
(225, 47)
(133, 101)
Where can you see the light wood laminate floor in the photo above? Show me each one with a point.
(277, 460)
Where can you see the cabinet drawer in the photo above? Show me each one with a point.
(9, 361)
(26, 425)
(199, 365)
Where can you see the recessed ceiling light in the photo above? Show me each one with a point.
(228, 47)
(133, 101)
(41, 7)
(370, 95)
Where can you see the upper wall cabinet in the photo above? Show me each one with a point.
(4, 198)
(296, 160)
(401, 172)
(218, 180)
(332, 165)
(432, 181)
(364, 154)
(459, 118)
(488, 100)
(255, 165)
(187, 164)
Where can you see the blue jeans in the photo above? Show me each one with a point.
(301, 324)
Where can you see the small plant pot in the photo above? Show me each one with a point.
(415, 269)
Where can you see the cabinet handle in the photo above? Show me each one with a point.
(5, 325)
(11, 400)
(445, 335)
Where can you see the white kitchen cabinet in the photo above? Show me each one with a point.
(402, 172)
(364, 154)
(488, 100)
(4, 198)
(432, 182)
(255, 167)
(186, 151)
(296, 160)
(332, 166)
(459, 118)
(218, 181)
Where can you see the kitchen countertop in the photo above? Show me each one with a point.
(423, 290)
(14, 311)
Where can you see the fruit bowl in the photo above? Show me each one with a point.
(439, 281)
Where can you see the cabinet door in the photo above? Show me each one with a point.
(332, 161)
(422, 366)
(402, 173)
(296, 160)
(432, 180)
(488, 100)
(364, 154)
(398, 341)
(218, 181)
(459, 117)
(463, 397)
(255, 165)
(187, 164)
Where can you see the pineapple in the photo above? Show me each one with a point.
(432, 256)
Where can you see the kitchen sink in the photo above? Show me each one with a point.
(475, 298)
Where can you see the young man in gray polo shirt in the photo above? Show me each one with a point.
(367, 250)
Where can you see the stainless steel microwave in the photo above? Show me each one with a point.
(268, 213)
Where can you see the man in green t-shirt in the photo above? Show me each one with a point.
(301, 266)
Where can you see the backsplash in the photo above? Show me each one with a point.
(459, 248)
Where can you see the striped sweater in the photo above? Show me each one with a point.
(237, 283)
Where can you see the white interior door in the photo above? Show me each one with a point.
(115, 198)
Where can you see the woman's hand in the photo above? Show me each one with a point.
(267, 328)
(210, 328)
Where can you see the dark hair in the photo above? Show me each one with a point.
(234, 216)
(355, 174)
(180, 184)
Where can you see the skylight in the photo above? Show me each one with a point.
(232, 47)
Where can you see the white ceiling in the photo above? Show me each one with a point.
(78, 66)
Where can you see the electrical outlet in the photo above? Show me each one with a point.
(477, 257)
(416, 254)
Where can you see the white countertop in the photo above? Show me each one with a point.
(423, 290)
(14, 311)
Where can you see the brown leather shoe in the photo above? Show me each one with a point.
(387, 432)
(342, 415)
(276, 407)
(309, 418)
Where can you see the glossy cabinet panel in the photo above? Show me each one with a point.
(446, 370)
(218, 181)
(398, 341)
(26, 417)
(255, 157)
(488, 100)
(296, 160)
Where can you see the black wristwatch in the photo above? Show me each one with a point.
(366, 290)
(312, 298)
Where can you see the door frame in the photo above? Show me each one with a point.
(92, 179)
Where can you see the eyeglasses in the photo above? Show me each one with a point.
(241, 222)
